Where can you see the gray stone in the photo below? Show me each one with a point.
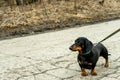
(45, 77)
(63, 73)
(79, 77)
(107, 78)
(27, 78)
(47, 56)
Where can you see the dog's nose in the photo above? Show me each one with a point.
(70, 47)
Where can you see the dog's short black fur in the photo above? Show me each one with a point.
(89, 54)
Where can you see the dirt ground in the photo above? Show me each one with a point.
(33, 18)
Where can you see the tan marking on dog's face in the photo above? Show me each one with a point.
(77, 48)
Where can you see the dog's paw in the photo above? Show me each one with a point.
(93, 72)
(106, 65)
(84, 74)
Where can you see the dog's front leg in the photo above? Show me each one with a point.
(83, 72)
(93, 72)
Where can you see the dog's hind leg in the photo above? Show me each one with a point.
(106, 63)
(105, 54)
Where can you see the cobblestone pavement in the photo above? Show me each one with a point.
(47, 57)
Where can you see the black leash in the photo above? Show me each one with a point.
(110, 35)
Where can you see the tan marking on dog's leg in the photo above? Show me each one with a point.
(83, 72)
(106, 63)
(93, 72)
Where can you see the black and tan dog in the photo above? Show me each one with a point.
(89, 54)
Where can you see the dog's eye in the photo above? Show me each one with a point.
(80, 43)
(77, 43)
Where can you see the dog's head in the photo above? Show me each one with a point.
(82, 45)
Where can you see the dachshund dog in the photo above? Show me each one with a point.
(89, 54)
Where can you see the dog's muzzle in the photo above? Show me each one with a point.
(74, 47)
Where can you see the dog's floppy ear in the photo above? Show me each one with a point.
(88, 45)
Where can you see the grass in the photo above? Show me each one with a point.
(37, 17)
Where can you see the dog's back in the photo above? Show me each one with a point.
(101, 50)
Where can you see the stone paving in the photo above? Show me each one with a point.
(47, 57)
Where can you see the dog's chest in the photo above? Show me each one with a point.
(85, 62)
